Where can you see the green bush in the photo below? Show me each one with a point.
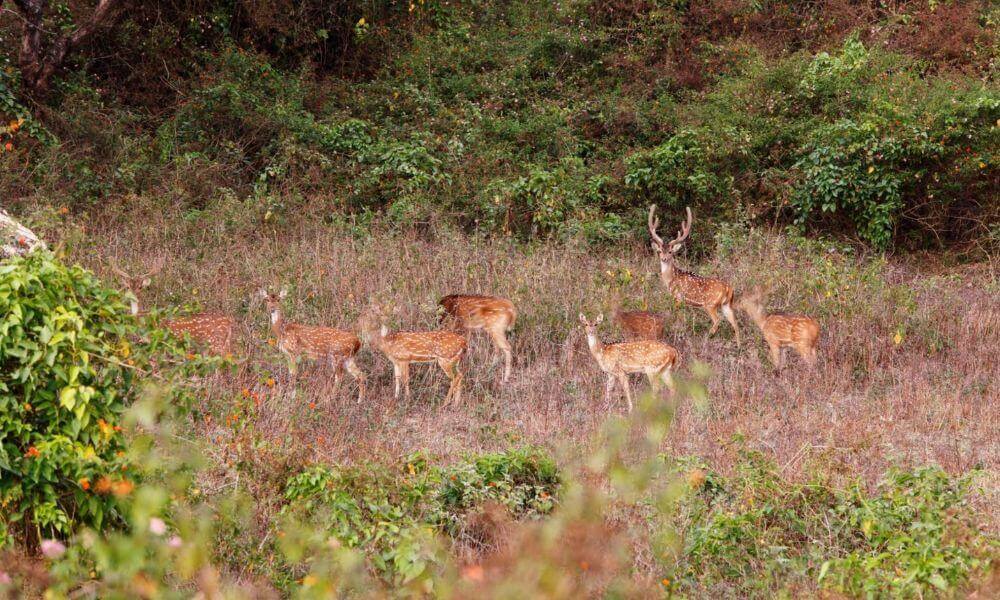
(68, 368)
(678, 172)
(914, 536)
(387, 511)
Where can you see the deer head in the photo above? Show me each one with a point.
(752, 302)
(135, 284)
(591, 327)
(667, 250)
(273, 302)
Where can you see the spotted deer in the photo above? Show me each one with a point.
(637, 324)
(495, 316)
(711, 294)
(655, 359)
(405, 347)
(781, 330)
(336, 347)
(210, 329)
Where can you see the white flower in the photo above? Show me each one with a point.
(175, 542)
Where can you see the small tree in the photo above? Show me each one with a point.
(44, 49)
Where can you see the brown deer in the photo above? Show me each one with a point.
(780, 330)
(655, 359)
(210, 329)
(637, 324)
(337, 347)
(495, 316)
(405, 347)
(710, 294)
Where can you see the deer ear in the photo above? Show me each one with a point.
(599, 320)
(283, 293)
(261, 293)
(145, 282)
(583, 319)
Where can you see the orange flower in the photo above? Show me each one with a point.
(84, 483)
(118, 427)
(270, 382)
(32, 453)
(8, 147)
(27, 406)
(122, 488)
(271, 341)
(63, 210)
(190, 356)
(104, 427)
(245, 393)
(103, 485)
(312, 405)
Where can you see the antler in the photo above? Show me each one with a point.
(156, 267)
(653, 223)
(117, 268)
(685, 231)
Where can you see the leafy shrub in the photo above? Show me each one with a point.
(916, 534)
(562, 202)
(677, 172)
(386, 512)
(68, 369)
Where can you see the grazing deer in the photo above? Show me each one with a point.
(637, 324)
(212, 330)
(780, 330)
(493, 315)
(710, 294)
(405, 347)
(655, 359)
(335, 346)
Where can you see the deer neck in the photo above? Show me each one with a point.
(595, 345)
(277, 322)
(668, 271)
(757, 315)
(134, 307)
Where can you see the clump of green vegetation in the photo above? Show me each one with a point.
(915, 534)
(387, 511)
(70, 367)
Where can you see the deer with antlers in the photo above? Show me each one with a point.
(495, 316)
(712, 295)
(403, 348)
(210, 329)
(782, 330)
(637, 324)
(656, 359)
(336, 347)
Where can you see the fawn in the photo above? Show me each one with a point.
(655, 359)
(637, 324)
(495, 316)
(405, 347)
(336, 346)
(710, 294)
(211, 329)
(780, 330)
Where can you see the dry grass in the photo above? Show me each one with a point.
(876, 400)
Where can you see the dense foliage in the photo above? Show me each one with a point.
(544, 120)
(916, 535)
(69, 366)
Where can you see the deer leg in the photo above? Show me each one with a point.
(727, 311)
(775, 355)
(406, 381)
(609, 387)
(450, 369)
(623, 379)
(500, 340)
(359, 376)
(713, 313)
(667, 377)
(397, 379)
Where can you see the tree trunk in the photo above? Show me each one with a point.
(16, 239)
(39, 63)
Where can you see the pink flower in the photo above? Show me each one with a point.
(175, 542)
(53, 548)
(157, 526)
(5, 578)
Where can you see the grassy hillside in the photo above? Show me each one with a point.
(841, 155)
